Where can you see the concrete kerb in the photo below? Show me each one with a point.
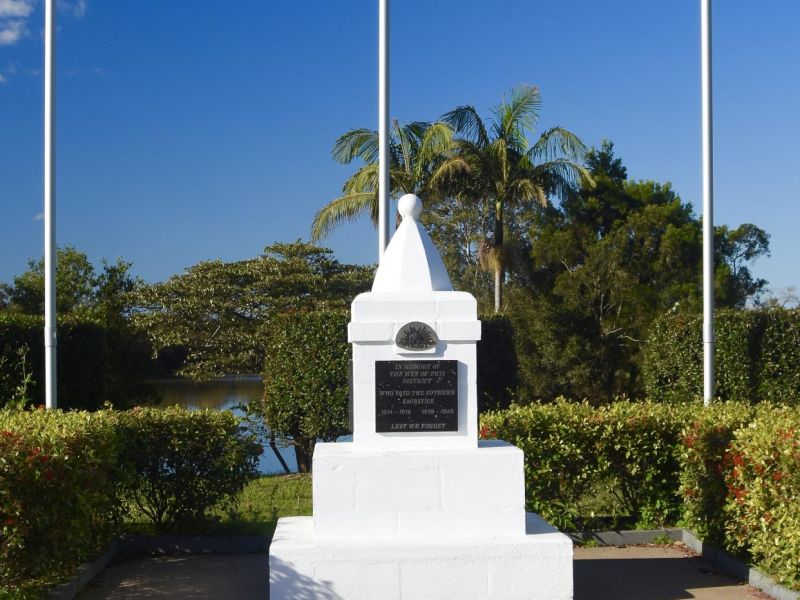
(86, 572)
(132, 546)
(715, 556)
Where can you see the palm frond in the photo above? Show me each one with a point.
(435, 147)
(561, 176)
(449, 170)
(558, 141)
(363, 180)
(405, 145)
(519, 115)
(465, 121)
(361, 143)
(344, 208)
(417, 129)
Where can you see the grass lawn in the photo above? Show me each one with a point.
(263, 502)
(256, 512)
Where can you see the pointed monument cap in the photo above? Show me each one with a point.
(411, 263)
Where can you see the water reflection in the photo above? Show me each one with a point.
(227, 394)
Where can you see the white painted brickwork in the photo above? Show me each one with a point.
(418, 493)
(533, 566)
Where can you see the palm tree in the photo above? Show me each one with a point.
(499, 166)
(416, 151)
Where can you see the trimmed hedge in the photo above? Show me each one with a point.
(95, 363)
(705, 442)
(729, 472)
(756, 356)
(67, 480)
(59, 502)
(559, 442)
(779, 366)
(762, 515)
(572, 450)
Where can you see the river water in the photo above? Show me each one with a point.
(228, 394)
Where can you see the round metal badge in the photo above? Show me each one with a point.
(416, 336)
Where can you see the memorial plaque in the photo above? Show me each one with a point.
(416, 395)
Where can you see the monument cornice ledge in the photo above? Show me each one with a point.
(448, 330)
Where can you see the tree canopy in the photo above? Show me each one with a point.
(601, 266)
(217, 311)
(81, 290)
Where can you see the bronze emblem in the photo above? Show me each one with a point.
(416, 336)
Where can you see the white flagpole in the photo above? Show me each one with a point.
(383, 127)
(49, 205)
(708, 205)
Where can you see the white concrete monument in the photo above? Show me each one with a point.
(416, 507)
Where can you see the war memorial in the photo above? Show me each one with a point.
(416, 506)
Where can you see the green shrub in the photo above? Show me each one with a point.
(703, 469)
(559, 442)
(95, 363)
(306, 391)
(673, 356)
(181, 463)
(636, 451)
(762, 512)
(573, 450)
(497, 363)
(58, 500)
(20, 334)
(779, 373)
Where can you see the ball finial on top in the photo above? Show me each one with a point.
(409, 206)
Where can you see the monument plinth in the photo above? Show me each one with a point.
(415, 506)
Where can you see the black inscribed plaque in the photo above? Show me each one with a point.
(416, 395)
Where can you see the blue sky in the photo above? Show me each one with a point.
(199, 130)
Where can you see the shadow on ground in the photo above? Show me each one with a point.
(634, 573)
(651, 573)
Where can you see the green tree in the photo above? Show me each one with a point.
(216, 311)
(602, 266)
(498, 169)
(305, 380)
(80, 290)
(416, 153)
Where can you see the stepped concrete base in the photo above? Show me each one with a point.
(534, 566)
(416, 494)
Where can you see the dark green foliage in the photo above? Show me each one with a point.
(58, 492)
(306, 392)
(80, 290)
(779, 373)
(215, 311)
(180, 464)
(572, 449)
(756, 356)
(637, 453)
(704, 445)
(561, 463)
(497, 363)
(95, 363)
(590, 275)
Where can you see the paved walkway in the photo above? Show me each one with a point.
(634, 573)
